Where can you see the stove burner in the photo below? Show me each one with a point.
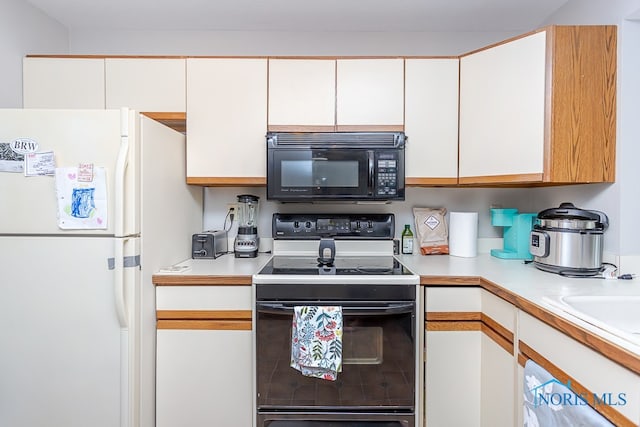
(369, 270)
(381, 266)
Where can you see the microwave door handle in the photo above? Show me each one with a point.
(371, 171)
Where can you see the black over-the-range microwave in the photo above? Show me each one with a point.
(334, 166)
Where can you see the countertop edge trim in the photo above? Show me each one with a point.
(608, 349)
(202, 280)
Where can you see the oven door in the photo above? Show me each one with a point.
(306, 173)
(378, 361)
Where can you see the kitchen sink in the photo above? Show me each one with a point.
(619, 315)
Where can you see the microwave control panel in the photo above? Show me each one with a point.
(386, 174)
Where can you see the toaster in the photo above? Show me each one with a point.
(209, 244)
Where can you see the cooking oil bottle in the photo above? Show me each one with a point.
(407, 240)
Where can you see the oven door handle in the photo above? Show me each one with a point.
(364, 310)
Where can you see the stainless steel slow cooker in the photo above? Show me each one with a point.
(568, 240)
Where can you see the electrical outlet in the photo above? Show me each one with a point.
(232, 206)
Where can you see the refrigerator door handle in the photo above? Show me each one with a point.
(118, 285)
(121, 168)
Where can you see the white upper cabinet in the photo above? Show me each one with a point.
(502, 109)
(431, 120)
(302, 92)
(370, 92)
(226, 121)
(63, 83)
(146, 84)
(540, 108)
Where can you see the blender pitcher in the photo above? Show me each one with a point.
(246, 243)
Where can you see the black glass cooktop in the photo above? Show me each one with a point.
(370, 265)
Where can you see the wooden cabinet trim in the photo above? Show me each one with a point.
(215, 325)
(502, 179)
(607, 411)
(505, 41)
(457, 321)
(237, 320)
(227, 181)
(203, 314)
(453, 326)
(453, 316)
(300, 128)
(176, 121)
(431, 182)
(450, 280)
(613, 352)
(186, 280)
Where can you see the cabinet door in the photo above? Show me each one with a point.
(302, 93)
(498, 383)
(591, 373)
(502, 111)
(431, 120)
(370, 92)
(470, 360)
(452, 378)
(204, 378)
(226, 120)
(146, 84)
(63, 83)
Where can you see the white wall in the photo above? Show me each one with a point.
(620, 201)
(453, 199)
(23, 30)
(279, 43)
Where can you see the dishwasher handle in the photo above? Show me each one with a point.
(360, 310)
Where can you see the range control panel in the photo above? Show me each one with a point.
(338, 226)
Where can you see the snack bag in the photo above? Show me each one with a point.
(431, 226)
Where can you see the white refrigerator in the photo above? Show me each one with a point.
(77, 251)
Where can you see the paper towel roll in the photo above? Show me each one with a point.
(463, 234)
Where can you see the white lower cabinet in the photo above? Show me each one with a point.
(588, 371)
(203, 378)
(452, 378)
(497, 384)
(204, 370)
(470, 363)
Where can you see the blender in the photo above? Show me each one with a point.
(246, 243)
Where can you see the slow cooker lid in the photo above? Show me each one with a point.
(569, 216)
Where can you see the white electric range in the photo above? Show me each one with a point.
(347, 261)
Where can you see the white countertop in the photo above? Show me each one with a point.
(527, 282)
(522, 280)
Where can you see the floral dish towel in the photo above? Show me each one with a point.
(316, 341)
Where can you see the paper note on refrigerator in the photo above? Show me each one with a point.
(81, 205)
